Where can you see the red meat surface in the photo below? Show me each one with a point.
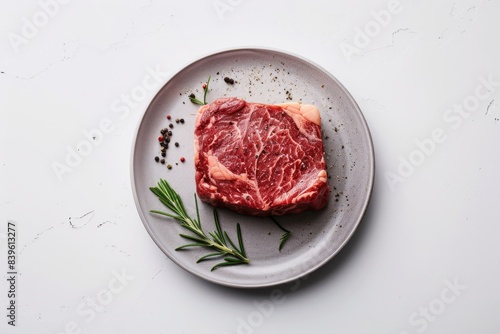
(260, 159)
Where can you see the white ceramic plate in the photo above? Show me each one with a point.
(266, 76)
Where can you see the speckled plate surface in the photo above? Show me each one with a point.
(266, 76)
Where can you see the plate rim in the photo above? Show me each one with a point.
(371, 169)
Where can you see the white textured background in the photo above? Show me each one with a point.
(426, 257)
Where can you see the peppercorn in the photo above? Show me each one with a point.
(160, 138)
(157, 159)
(171, 126)
(229, 80)
(169, 117)
(170, 133)
(169, 166)
(163, 154)
(162, 161)
(182, 159)
(176, 144)
(192, 96)
(182, 120)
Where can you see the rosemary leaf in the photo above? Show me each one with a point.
(206, 91)
(240, 240)
(198, 224)
(225, 264)
(208, 256)
(285, 236)
(196, 101)
(230, 241)
(165, 214)
(191, 245)
(189, 237)
(284, 239)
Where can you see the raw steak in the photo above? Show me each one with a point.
(260, 159)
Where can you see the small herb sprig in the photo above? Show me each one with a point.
(285, 236)
(193, 98)
(218, 240)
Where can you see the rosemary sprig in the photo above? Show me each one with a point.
(218, 240)
(193, 98)
(285, 236)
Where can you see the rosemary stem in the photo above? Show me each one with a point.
(220, 241)
(228, 251)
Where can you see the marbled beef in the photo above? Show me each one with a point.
(260, 159)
